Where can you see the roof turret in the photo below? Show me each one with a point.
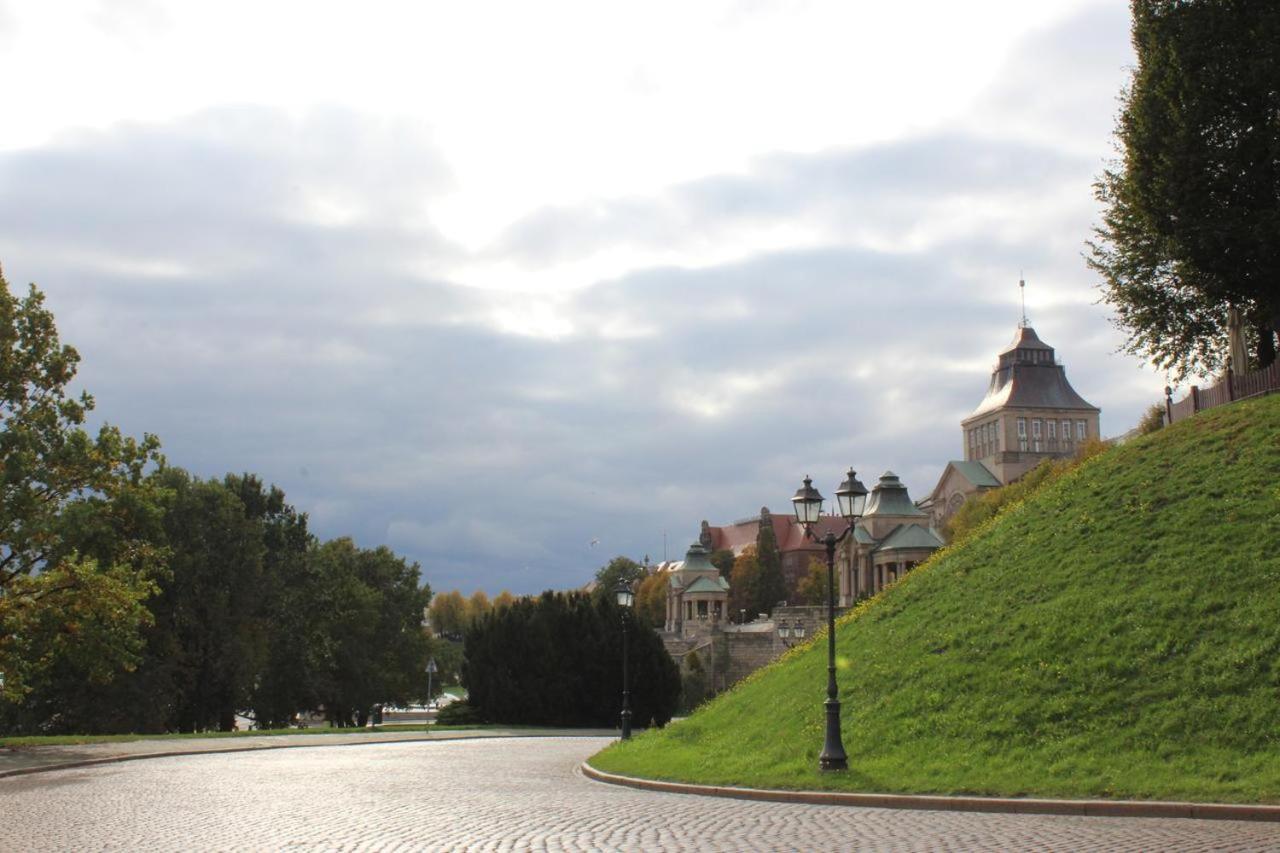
(889, 497)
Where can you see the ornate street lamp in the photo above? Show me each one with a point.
(851, 497)
(784, 631)
(625, 599)
(797, 630)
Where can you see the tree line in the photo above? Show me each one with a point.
(136, 597)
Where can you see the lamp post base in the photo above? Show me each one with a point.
(833, 757)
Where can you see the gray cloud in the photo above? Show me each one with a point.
(267, 294)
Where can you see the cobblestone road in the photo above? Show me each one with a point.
(519, 794)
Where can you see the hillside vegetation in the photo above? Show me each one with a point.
(1115, 634)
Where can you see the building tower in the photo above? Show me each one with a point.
(1030, 412)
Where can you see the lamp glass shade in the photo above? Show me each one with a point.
(784, 631)
(625, 595)
(799, 629)
(851, 496)
(807, 503)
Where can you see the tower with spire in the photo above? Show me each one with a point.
(1030, 413)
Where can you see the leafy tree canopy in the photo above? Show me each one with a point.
(615, 572)
(1191, 222)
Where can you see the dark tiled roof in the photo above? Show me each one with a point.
(1028, 377)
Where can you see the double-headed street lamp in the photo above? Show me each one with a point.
(625, 599)
(852, 497)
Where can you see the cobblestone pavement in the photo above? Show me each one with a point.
(517, 794)
(28, 757)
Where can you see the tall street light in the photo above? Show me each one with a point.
(625, 599)
(852, 497)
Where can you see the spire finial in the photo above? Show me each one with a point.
(1022, 289)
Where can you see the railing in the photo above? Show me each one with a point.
(1234, 386)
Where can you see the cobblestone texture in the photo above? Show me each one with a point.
(502, 795)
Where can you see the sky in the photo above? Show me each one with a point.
(513, 288)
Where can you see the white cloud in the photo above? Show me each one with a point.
(488, 292)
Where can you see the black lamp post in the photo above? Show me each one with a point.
(852, 497)
(625, 599)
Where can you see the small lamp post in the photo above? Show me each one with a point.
(851, 497)
(432, 669)
(784, 630)
(797, 630)
(625, 599)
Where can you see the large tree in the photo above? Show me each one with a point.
(772, 583)
(1191, 222)
(617, 571)
(49, 460)
(64, 617)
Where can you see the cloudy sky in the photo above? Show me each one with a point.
(487, 282)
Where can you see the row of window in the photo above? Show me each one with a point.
(1044, 434)
(984, 439)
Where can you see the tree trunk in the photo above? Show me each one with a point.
(1266, 346)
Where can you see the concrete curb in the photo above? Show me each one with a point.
(174, 753)
(1003, 805)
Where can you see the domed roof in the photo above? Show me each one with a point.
(890, 497)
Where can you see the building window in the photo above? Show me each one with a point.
(1066, 431)
(1022, 434)
(973, 438)
(1080, 431)
(995, 436)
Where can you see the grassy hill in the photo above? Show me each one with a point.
(1115, 634)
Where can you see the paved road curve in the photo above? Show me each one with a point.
(519, 794)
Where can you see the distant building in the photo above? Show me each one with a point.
(892, 538)
(697, 596)
(794, 547)
(1030, 413)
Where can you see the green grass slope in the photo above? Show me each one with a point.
(1116, 634)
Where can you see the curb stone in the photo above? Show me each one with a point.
(1005, 805)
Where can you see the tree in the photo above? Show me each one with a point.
(813, 586)
(503, 599)
(210, 607)
(448, 615)
(772, 585)
(288, 605)
(744, 583)
(376, 647)
(557, 660)
(478, 606)
(722, 559)
(614, 573)
(70, 622)
(651, 599)
(56, 645)
(48, 458)
(1191, 222)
